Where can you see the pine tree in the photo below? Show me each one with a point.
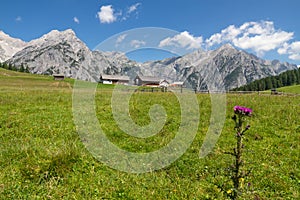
(293, 77)
(22, 69)
(274, 82)
(5, 66)
(9, 67)
(284, 79)
(298, 76)
(269, 84)
(26, 70)
(279, 82)
(14, 68)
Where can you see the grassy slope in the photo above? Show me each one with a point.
(41, 155)
(295, 89)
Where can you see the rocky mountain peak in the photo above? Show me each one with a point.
(3, 35)
(56, 36)
(9, 46)
(227, 49)
(54, 52)
(227, 46)
(66, 34)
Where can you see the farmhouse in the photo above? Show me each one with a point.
(177, 84)
(147, 81)
(164, 83)
(58, 77)
(114, 79)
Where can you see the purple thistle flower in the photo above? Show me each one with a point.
(237, 109)
(248, 111)
(242, 110)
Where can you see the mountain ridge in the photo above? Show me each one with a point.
(63, 52)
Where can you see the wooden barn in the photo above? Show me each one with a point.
(164, 83)
(177, 84)
(114, 79)
(58, 77)
(147, 81)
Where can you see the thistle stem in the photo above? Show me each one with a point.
(238, 163)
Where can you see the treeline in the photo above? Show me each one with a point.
(291, 77)
(14, 68)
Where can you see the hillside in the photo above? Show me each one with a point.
(12, 81)
(43, 157)
(294, 89)
(287, 78)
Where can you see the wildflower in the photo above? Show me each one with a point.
(242, 182)
(248, 111)
(237, 109)
(238, 176)
(242, 110)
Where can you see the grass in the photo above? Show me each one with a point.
(294, 89)
(42, 156)
(288, 90)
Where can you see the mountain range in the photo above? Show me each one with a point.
(62, 52)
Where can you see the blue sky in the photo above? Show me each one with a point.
(267, 28)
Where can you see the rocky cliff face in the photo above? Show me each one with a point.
(9, 46)
(63, 53)
(55, 52)
(225, 65)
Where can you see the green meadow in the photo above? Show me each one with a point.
(294, 89)
(42, 156)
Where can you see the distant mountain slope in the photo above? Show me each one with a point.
(63, 52)
(55, 52)
(287, 78)
(235, 67)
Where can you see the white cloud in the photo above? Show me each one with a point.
(182, 40)
(293, 50)
(294, 56)
(107, 15)
(76, 20)
(257, 36)
(19, 19)
(283, 49)
(263, 43)
(121, 38)
(137, 43)
(133, 8)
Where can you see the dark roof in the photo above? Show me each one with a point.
(114, 77)
(149, 79)
(56, 75)
(177, 83)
